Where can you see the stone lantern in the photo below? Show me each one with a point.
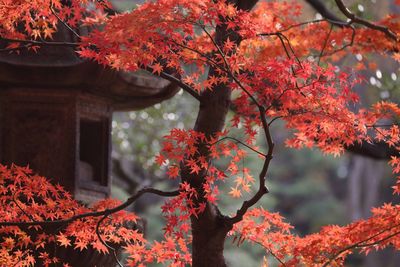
(56, 111)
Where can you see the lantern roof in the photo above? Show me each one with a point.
(60, 67)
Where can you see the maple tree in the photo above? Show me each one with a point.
(266, 65)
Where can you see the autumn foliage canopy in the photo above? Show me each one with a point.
(268, 65)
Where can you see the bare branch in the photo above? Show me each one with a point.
(20, 208)
(379, 150)
(325, 12)
(356, 19)
(333, 22)
(64, 23)
(262, 188)
(218, 48)
(228, 70)
(281, 35)
(105, 212)
(41, 43)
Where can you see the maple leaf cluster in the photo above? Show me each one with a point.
(329, 247)
(26, 197)
(183, 147)
(40, 19)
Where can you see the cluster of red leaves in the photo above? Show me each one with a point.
(309, 39)
(390, 134)
(182, 147)
(178, 211)
(306, 97)
(25, 19)
(173, 252)
(329, 247)
(25, 197)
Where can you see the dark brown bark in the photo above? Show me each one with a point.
(378, 150)
(209, 230)
(324, 11)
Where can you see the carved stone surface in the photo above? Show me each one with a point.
(42, 128)
(37, 129)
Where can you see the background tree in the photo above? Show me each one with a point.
(266, 66)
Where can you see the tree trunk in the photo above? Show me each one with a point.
(363, 194)
(209, 230)
(209, 233)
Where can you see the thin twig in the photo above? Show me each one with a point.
(19, 206)
(114, 251)
(208, 59)
(382, 125)
(21, 258)
(35, 42)
(240, 142)
(325, 43)
(325, 12)
(357, 244)
(176, 81)
(262, 190)
(334, 22)
(291, 48)
(218, 48)
(349, 44)
(64, 23)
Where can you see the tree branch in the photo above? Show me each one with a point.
(176, 81)
(356, 19)
(360, 243)
(247, 4)
(114, 251)
(240, 142)
(378, 150)
(64, 23)
(325, 12)
(262, 190)
(35, 42)
(105, 212)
